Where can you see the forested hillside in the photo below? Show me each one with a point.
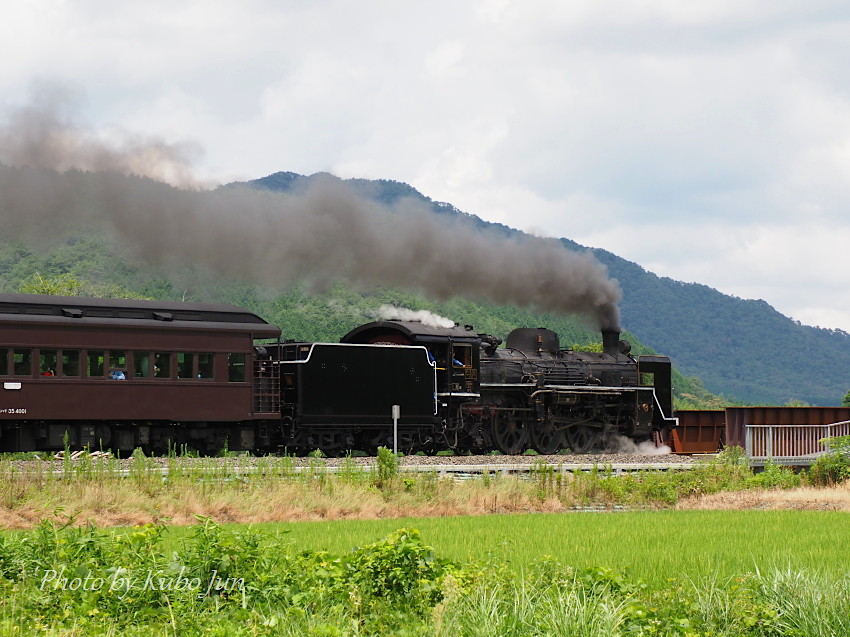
(740, 348)
(744, 350)
(90, 266)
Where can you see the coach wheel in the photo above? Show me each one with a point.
(583, 438)
(103, 437)
(546, 438)
(510, 434)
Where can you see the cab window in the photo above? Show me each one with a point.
(461, 356)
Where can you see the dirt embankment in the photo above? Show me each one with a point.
(836, 498)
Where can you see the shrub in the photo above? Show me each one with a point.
(399, 569)
(775, 476)
(387, 467)
(832, 467)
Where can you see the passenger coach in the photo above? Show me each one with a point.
(126, 374)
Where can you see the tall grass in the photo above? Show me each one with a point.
(241, 489)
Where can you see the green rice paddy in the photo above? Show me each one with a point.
(654, 545)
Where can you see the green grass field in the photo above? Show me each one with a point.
(653, 545)
(613, 572)
(688, 573)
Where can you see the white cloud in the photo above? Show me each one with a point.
(706, 141)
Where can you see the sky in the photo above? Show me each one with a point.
(707, 141)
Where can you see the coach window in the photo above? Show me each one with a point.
(205, 365)
(94, 368)
(118, 365)
(185, 365)
(118, 359)
(142, 364)
(236, 368)
(22, 362)
(70, 362)
(47, 362)
(162, 365)
(4, 361)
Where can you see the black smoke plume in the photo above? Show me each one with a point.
(324, 233)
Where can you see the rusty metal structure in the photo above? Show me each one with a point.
(698, 431)
(785, 435)
(738, 419)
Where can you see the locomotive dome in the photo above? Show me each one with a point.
(531, 339)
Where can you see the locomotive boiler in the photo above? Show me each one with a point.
(540, 396)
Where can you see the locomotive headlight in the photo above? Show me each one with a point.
(644, 407)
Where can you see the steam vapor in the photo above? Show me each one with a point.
(393, 313)
(322, 234)
(621, 444)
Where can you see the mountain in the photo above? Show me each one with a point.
(740, 348)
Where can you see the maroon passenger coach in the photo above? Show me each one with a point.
(125, 373)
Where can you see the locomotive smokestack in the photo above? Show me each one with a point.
(611, 341)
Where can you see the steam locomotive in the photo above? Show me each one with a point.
(122, 374)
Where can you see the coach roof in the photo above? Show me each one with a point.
(38, 308)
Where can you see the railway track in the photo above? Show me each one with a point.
(450, 466)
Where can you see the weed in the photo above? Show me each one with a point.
(386, 467)
(832, 467)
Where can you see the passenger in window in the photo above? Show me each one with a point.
(117, 374)
(48, 372)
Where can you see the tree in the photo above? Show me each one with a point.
(68, 285)
(846, 401)
(59, 285)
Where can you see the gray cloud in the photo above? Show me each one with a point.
(702, 140)
(46, 133)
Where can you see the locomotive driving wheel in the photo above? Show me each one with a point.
(510, 433)
(546, 438)
(583, 438)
